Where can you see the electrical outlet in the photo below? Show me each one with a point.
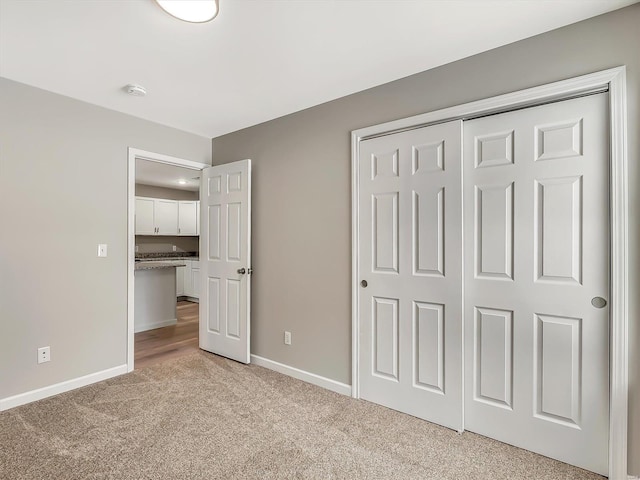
(287, 338)
(174, 248)
(44, 354)
(137, 248)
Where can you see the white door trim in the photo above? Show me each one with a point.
(133, 154)
(613, 80)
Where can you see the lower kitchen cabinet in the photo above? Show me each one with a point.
(191, 279)
(195, 280)
(180, 281)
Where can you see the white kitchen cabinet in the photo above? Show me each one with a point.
(159, 216)
(156, 216)
(187, 278)
(191, 279)
(166, 217)
(144, 216)
(195, 279)
(187, 218)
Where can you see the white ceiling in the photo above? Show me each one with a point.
(258, 59)
(163, 175)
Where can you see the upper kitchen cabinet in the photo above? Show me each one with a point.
(145, 224)
(166, 217)
(156, 216)
(159, 216)
(187, 218)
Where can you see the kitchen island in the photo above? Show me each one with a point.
(155, 294)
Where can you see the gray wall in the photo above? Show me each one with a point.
(162, 244)
(63, 190)
(164, 192)
(301, 187)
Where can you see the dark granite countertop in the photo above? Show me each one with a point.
(162, 256)
(157, 264)
(154, 255)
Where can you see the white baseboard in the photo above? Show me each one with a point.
(308, 377)
(40, 393)
(152, 326)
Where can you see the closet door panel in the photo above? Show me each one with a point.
(536, 250)
(410, 258)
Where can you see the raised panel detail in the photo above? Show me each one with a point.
(213, 292)
(385, 232)
(428, 348)
(494, 232)
(214, 232)
(558, 230)
(214, 185)
(558, 140)
(233, 231)
(493, 357)
(428, 233)
(494, 150)
(384, 165)
(234, 182)
(233, 308)
(385, 337)
(428, 158)
(558, 365)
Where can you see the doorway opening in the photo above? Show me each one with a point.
(163, 262)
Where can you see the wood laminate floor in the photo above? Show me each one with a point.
(154, 346)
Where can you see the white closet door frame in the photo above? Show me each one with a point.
(611, 80)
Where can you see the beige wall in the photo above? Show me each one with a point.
(301, 187)
(63, 190)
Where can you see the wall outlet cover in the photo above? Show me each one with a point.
(44, 354)
(287, 338)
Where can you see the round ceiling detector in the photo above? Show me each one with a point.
(135, 90)
(195, 11)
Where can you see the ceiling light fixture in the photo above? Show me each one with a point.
(195, 11)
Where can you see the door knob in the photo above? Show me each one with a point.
(242, 271)
(364, 283)
(598, 302)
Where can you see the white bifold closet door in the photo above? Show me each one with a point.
(410, 215)
(536, 251)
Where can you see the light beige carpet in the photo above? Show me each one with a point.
(205, 417)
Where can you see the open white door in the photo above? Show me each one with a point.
(225, 260)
